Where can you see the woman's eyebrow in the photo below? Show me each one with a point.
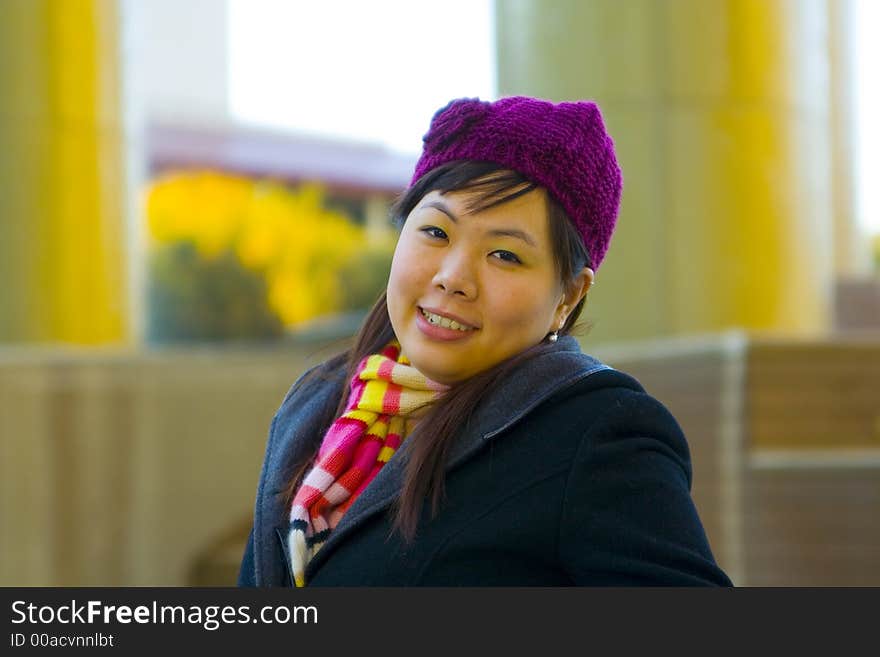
(497, 232)
(440, 205)
(513, 232)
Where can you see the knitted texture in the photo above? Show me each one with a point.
(563, 147)
(385, 391)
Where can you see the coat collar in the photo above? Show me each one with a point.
(562, 365)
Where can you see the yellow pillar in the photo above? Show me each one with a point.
(719, 109)
(62, 173)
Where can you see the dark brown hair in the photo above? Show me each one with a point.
(445, 420)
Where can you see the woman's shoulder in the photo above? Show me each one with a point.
(570, 375)
(616, 414)
(588, 401)
(609, 388)
(607, 395)
(304, 410)
(612, 395)
(565, 373)
(569, 388)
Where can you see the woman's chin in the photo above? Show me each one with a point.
(435, 366)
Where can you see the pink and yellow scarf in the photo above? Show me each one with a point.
(385, 391)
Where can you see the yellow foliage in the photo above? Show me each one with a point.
(287, 235)
(204, 207)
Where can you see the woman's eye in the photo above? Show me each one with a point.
(434, 232)
(507, 256)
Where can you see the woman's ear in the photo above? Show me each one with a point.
(576, 291)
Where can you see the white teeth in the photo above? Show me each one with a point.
(437, 320)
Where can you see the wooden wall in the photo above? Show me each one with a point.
(119, 468)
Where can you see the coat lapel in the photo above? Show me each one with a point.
(290, 438)
(562, 366)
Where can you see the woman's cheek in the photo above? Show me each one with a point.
(404, 277)
(511, 301)
(412, 265)
(398, 261)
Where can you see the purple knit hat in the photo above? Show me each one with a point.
(561, 146)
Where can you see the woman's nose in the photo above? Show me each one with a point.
(456, 276)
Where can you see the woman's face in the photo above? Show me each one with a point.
(469, 290)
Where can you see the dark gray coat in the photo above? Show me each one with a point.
(569, 474)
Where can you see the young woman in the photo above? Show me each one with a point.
(465, 439)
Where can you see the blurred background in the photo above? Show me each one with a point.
(194, 203)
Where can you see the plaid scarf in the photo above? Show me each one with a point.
(385, 390)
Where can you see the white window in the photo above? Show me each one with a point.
(370, 71)
(867, 114)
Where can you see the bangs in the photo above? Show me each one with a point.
(489, 183)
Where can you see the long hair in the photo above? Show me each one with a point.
(443, 422)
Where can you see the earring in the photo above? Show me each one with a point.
(554, 336)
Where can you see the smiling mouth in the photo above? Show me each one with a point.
(439, 320)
